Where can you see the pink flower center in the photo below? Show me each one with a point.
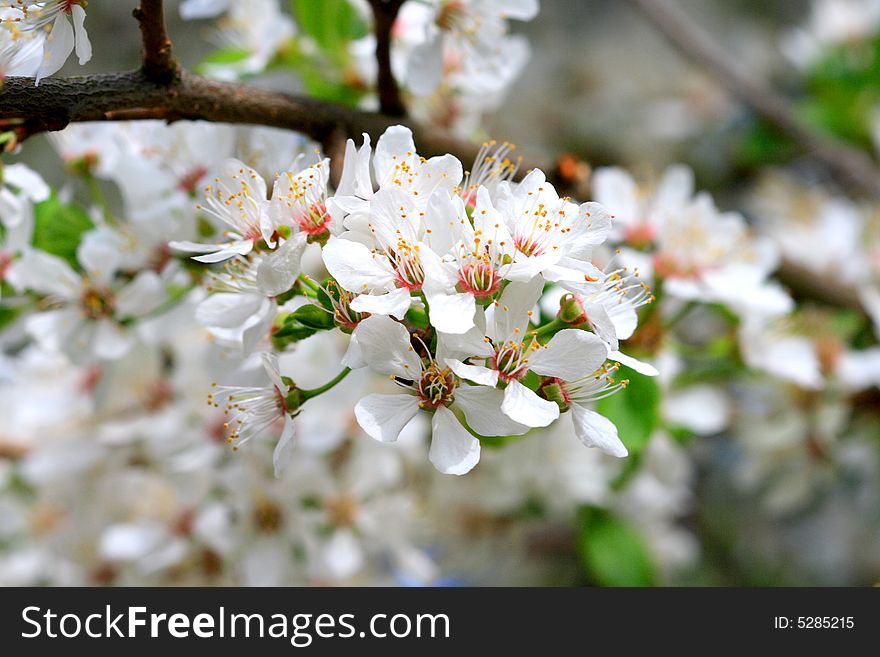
(189, 183)
(315, 220)
(528, 245)
(666, 266)
(435, 387)
(510, 362)
(409, 272)
(640, 236)
(480, 280)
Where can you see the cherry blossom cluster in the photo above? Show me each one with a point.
(437, 277)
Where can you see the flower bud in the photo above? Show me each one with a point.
(572, 310)
(552, 389)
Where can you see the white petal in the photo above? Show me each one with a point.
(624, 318)
(512, 308)
(442, 215)
(425, 69)
(383, 417)
(634, 363)
(353, 358)
(49, 274)
(278, 270)
(355, 267)
(396, 145)
(27, 180)
(83, 45)
(602, 324)
(100, 253)
(570, 355)
(273, 370)
(476, 373)
(190, 9)
(703, 409)
(395, 303)
(615, 188)
(453, 449)
(595, 430)
(227, 251)
(524, 406)
(110, 340)
(227, 309)
(130, 541)
(452, 313)
(141, 296)
(59, 45)
(284, 448)
(482, 408)
(385, 345)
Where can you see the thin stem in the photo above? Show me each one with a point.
(314, 392)
(552, 327)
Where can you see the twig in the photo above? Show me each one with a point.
(384, 14)
(850, 164)
(159, 64)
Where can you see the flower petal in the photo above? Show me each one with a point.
(385, 345)
(425, 68)
(524, 406)
(227, 309)
(634, 363)
(83, 45)
(511, 311)
(395, 303)
(476, 373)
(278, 270)
(482, 408)
(453, 449)
(452, 313)
(59, 45)
(355, 267)
(284, 448)
(570, 355)
(595, 430)
(383, 417)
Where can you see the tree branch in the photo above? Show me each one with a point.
(851, 165)
(384, 14)
(130, 95)
(159, 64)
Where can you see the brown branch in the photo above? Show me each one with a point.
(851, 165)
(58, 102)
(159, 64)
(384, 14)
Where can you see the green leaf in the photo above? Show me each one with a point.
(312, 317)
(223, 57)
(58, 228)
(8, 315)
(331, 23)
(612, 552)
(634, 409)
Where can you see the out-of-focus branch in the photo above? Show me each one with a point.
(159, 64)
(384, 14)
(851, 165)
(807, 284)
